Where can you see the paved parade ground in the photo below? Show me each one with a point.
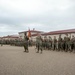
(14, 61)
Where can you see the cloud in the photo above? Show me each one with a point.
(45, 15)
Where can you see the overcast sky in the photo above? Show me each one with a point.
(44, 15)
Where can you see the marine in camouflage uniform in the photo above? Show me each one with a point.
(54, 43)
(64, 43)
(45, 42)
(67, 43)
(73, 43)
(39, 43)
(60, 43)
(2, 41)
(49, 43)
(26, 42)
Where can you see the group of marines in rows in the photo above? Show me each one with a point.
(61, 44)
(47, 43)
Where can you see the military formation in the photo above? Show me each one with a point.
(16, 42)
(67, 43)
(61, 44)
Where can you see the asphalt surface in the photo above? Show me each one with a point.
(14, 61)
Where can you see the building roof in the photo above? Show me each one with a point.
(52, 32)
(32, 31)
(11, 36)
(60, 32)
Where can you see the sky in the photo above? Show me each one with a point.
(43, 15)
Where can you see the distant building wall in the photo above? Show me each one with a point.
(10, 37)
(57, 35)
(33, 32)
(51, 34)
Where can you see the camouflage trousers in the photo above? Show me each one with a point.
(39, 46)
(25, 44)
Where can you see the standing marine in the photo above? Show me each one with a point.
(26, 42)
(39, 43)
